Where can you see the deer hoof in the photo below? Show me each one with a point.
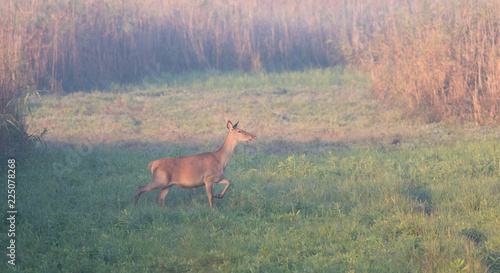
(218, 196)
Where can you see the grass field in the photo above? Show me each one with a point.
(336, 182)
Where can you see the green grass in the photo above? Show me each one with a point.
(321, 190)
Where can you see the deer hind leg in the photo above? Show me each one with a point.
(228, 183)
(142, 189)
(161, 196)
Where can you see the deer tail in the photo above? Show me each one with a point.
(153, 168)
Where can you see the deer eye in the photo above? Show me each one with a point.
(239, 131)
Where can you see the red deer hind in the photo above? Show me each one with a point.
(194, 171)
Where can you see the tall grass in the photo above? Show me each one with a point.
(15, 91)
(78, 44)
(436, 58)
(439, 59)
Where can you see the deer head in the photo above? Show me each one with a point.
(238, 134)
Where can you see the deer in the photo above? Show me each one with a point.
(194, 171)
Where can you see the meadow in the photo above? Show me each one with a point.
(336, 181)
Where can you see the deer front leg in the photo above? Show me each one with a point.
(209, 192)
(228, 183)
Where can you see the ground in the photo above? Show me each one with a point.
(336, 181)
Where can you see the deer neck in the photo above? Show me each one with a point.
(226, 151)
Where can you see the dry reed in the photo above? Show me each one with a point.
(436, 58)
(439, 59)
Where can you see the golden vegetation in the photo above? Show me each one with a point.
(436, 58)
(78, 44)
(440, 59)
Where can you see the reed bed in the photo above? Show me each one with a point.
(435, 59)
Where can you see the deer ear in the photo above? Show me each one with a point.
(235, 125)
(229, 125)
